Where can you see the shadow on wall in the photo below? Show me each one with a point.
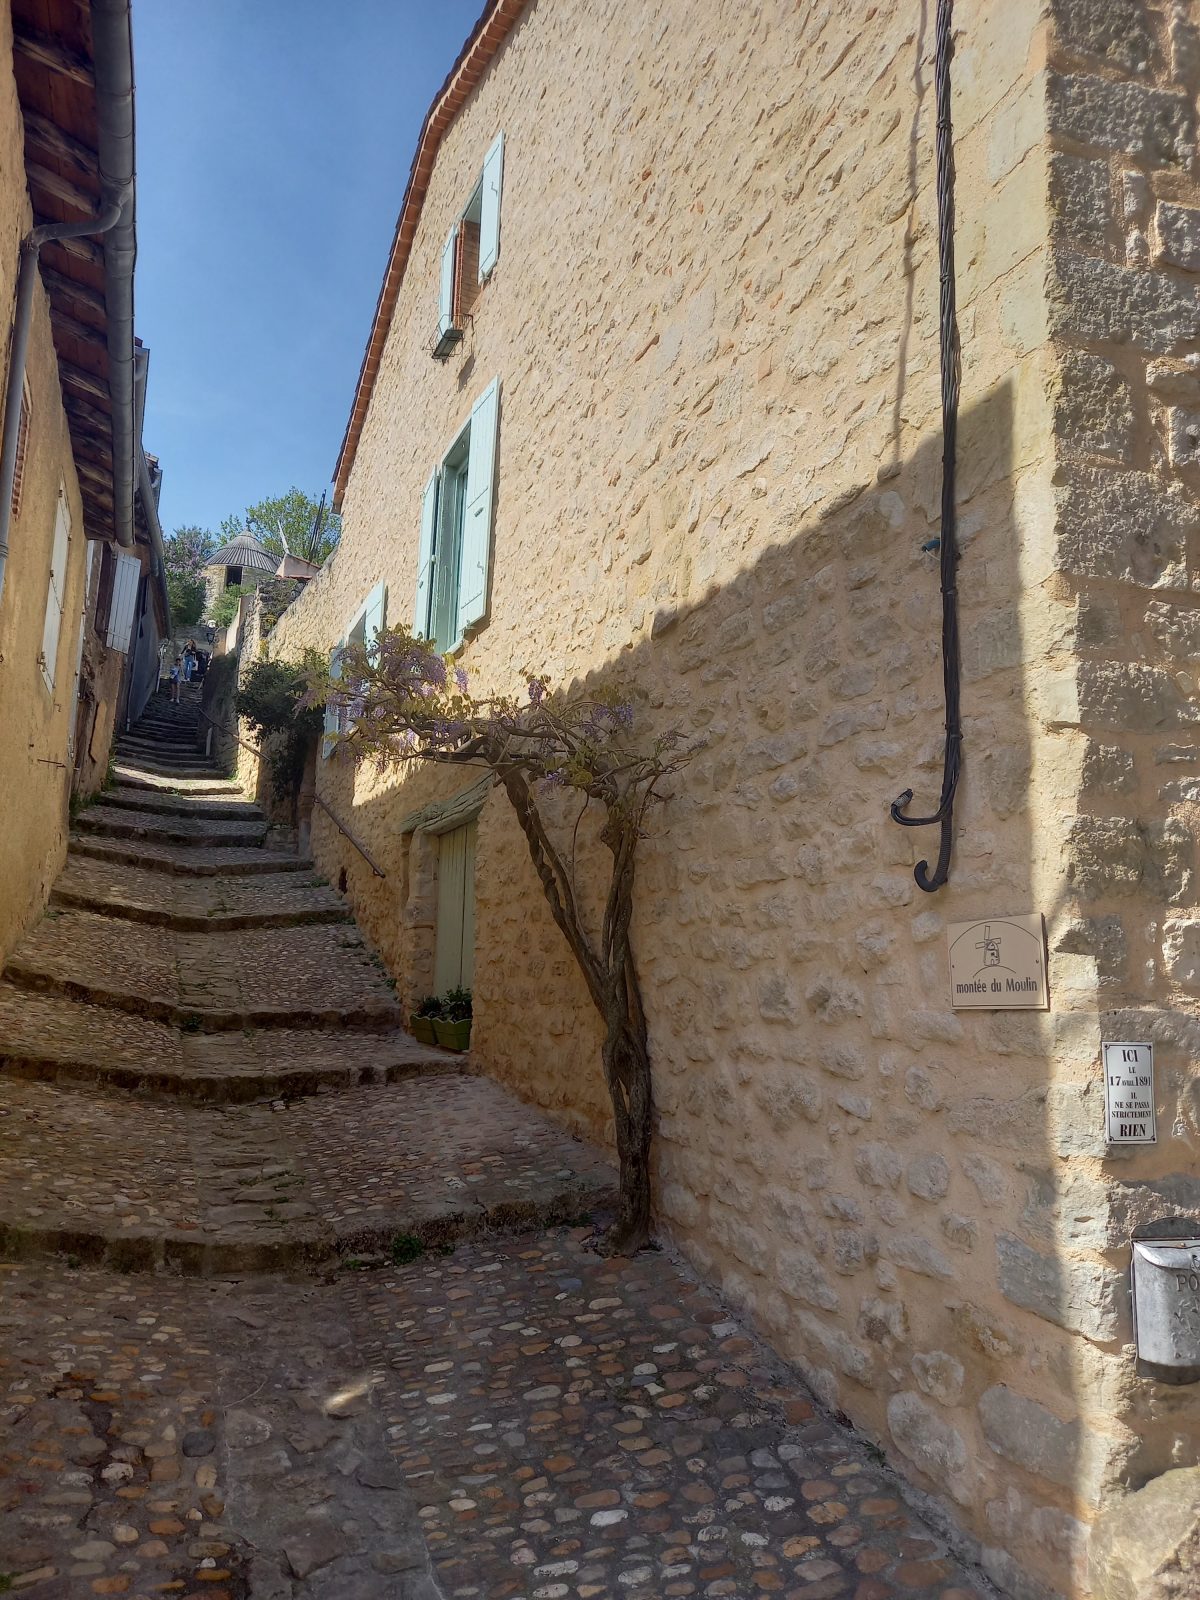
(874, 1177)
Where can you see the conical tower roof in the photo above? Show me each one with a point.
(245, 551)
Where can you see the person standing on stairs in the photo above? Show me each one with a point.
(176, 675)
(189, 660)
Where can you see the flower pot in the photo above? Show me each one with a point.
(422, 1029)
(453, 1035)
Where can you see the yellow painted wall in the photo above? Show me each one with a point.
(33, 723)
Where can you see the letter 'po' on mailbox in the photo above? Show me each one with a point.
(1166, 1299)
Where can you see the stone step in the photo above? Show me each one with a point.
(153, 739)
(47, 1038)
(161, 753)
(134, 777)
(189, 860)
(299, 977)
(200, 769)
(197, 905)
(223, 810)
(138, 1186)
(113, 822)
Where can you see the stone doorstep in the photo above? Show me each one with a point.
(184, 922)
(438, 1226)
(206, 1086)
(256, 859)
(170, 805)
(364, 1016)
(117, 828)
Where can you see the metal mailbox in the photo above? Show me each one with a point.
(1166, 1299)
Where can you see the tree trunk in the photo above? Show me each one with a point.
(626, 1059)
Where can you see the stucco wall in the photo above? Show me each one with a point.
(714, 321)
(33, 722)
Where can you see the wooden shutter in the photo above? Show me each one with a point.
(477, 517)
(22, 447)
(124, 598)
(446, 296)
(55, 592)
(332, 713)
(425, 554)
(454, 953)
(489, 216)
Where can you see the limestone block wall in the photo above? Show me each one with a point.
(34, 722)
(714, 319)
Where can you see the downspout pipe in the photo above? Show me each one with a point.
(113, 66)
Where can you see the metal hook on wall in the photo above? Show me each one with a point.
(948, 549)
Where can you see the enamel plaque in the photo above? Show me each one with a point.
(1129, 1093)
(998, 964)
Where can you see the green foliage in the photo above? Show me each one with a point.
(225, 606)
(456, 1005)
(270, 699)
(431, 1007)
(185, 554)
(406, 1247)
(284, 522)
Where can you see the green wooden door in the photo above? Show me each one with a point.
(454, 962)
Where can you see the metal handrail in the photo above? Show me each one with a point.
(256, 752)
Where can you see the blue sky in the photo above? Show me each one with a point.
(274, 142)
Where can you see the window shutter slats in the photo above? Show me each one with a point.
(120, 617)
(489, 219)
(424, 596)
(446, 297)
(477, 520)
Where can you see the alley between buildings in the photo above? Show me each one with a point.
(291, 1305)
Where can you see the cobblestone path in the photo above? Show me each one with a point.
(294, 1308)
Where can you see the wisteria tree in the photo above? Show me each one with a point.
(402, 702)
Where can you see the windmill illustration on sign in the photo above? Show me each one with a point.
(990, 945)
(998, 963)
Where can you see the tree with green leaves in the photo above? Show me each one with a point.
(288, 523)
(186, 552)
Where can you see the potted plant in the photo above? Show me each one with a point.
(452, 1025)
(421, 1021)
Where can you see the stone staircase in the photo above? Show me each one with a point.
(203, 1067)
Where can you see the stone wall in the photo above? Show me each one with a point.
(714, 319)
(34, 722)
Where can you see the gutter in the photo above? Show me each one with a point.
(114, 218)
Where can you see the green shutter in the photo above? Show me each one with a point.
(425, 559)
(374, 613)
(477, 518)
(446, 296)
(331, 712)
(489, 210)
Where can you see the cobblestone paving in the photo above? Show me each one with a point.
(230, 808)
(136, 776)
(574, 1427)
(560, 1427)
(201, 1441)
(135, 1184)
(196, 904)
(319, 974)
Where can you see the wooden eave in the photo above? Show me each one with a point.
(493, 28)
(52, 63)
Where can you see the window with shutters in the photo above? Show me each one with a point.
(56, 592)
(22, 446)
(369, 620)
(454, 553)
(470, 253)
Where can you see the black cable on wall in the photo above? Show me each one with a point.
(950, 375)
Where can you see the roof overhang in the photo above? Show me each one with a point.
(53, 64)
(487, 36)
